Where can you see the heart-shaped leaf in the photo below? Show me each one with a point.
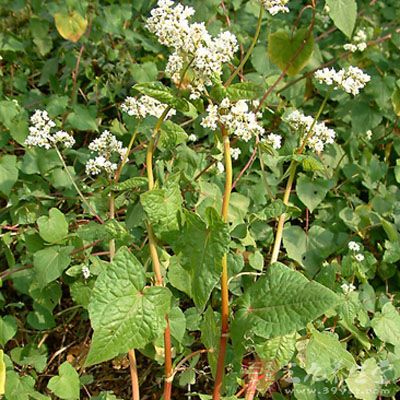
(71, 26)
(284, 49)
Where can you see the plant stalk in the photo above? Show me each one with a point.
(249, 51)
(90, 208)
(155, 259)
(292, 174)
(224, 276)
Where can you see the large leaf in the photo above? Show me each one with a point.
(201, 246)
(326, 356)
(162, 207)
(123, 312)
(53, 228)
(66, 384)
(284, 48)
(387, 325)
(343, 14)
(70, 26)
(284, 301)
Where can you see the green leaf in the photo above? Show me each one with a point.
(312, 192)
(243, 90)
(171, 135)
(83, 118)
(365, 383)
(8, 329)
(283, 47)
(201, 246)
(210, 334)
(131, 183)
(326, 356)
(8, 173)
(343, 14)
(66, 384)
(145, 72)
(162, 207)
(386, 325)
(53, 228)
(50, 263)
(163, 94)
(2, 374)
(21, 387)
(278, 350)
(70, 26)
(284, 301)
(396, 101)
(124, 312)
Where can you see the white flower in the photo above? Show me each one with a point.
(40, 132)
(359, 257)
(351, 80)
(235, 153)
(64, 138)
(275, 6)
(144, 106)
(106, 146)
(320, 134)
(348, 288)
(192, 43)
(273, 140)
(235, 117)
(354, 246)
(192, 137)
(220, 167)
(368, 134)
(86, 272)
(359, 42)
(98, 164)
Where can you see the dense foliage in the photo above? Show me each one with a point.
(210, 209)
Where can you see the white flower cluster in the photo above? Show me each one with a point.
(105, 146)
(40, 132)
(320, 134)
(235, 153)
(348, 288)
(191, 43)
(355, 247)
(275, 6)
(359, 42)
(235, 117)
(143, 106)
(274, 140)
(86, 272)
(351, 80)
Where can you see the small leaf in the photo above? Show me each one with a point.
(50, 263)
(8, 173)
(171, 135)
(365, 383)
(124, 312)
(243, 90)
(70, 26)
(83, 118)
(163, 94)
(387, 325)
(312, 192)
(283, 48)
(396, 102)
(343, 14)
(129, 184)
(2, 374)
(284, 301)
(66, 384)
(8, 329)
(53, 228)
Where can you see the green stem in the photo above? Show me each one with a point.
(77, 188)
(220, 372)
(292, 174)
(249, 51)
